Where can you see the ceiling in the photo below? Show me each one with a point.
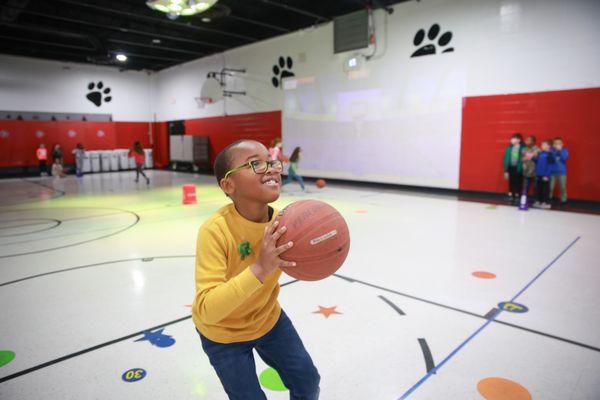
(93, 31)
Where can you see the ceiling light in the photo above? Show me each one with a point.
(156, 41)
(121, 57)
(206, 19)
(175, 8)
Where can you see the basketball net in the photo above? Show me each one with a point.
(202, 101)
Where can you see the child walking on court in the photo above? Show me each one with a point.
(559, 169)
(140, 158)
(292, 174)
(512, 167)
(235, 310)
(543, 171)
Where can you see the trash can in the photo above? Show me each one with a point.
(87, 165)
(149, 163)
(123, 158)
(95, 161)
(114, 160)
(105, 157)
(131, 162)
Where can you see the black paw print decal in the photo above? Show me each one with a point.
(433, 33)
(282, 71)
(99, 95)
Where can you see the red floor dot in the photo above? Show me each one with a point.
(361, 211)
(484, 275)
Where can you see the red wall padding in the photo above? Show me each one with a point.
(489, 121)
(222, 131)
(18, 148)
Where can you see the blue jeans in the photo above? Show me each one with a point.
(293, 175)
(281, 349)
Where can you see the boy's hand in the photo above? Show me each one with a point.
(506, 176)
(268, 258)
(545, 179)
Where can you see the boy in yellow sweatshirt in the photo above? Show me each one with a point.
(237, 271)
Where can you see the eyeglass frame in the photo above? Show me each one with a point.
(270, 164)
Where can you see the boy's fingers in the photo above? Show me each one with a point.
(288, 264)
(284, 248)
(278, 233)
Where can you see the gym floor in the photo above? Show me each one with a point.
(438, 299)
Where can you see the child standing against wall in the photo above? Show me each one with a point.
(543, 171)
(528, 165)
(42, 155)
(79, 153)
(559, 169)
(513, 167)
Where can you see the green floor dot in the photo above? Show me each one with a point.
(6, 356)
(270, 379)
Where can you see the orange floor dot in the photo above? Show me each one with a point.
(502, 389)
(483, 275)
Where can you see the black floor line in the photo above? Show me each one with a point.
(84, 351)
(101, 345)
(137, 219)
(429, 364)
(55, 221)
(89, 266)
(395, 307)
(62, 192)
(548, 335)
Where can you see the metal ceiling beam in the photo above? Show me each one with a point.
(53, 31)
(151, 46)
(82, 58)
(46, 43)
(157, 20)
(259, 23)
(120, 29)
(296, 10)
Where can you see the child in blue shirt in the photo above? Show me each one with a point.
(559, 169)
(543, 171)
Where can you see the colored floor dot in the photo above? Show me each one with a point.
(6, 356)
(483, 275)
(491, 207)
(361, 211)
(502, 389)
(270, 379)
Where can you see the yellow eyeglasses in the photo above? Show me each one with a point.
(258, 166)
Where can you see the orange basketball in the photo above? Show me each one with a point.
(320, 183)
(321, 239)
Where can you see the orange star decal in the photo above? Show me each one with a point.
(327, 311)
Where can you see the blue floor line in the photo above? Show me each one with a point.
(482, 327)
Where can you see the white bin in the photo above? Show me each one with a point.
(114, 160)
(87, 165)
(95, 160)
(149, 162)
(105, 157)
(123, 158)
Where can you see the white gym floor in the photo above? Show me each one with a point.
(88, 264)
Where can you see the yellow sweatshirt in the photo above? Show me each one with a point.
(231, 304)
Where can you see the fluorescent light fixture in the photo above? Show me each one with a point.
(175, 8)
(121, 57)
